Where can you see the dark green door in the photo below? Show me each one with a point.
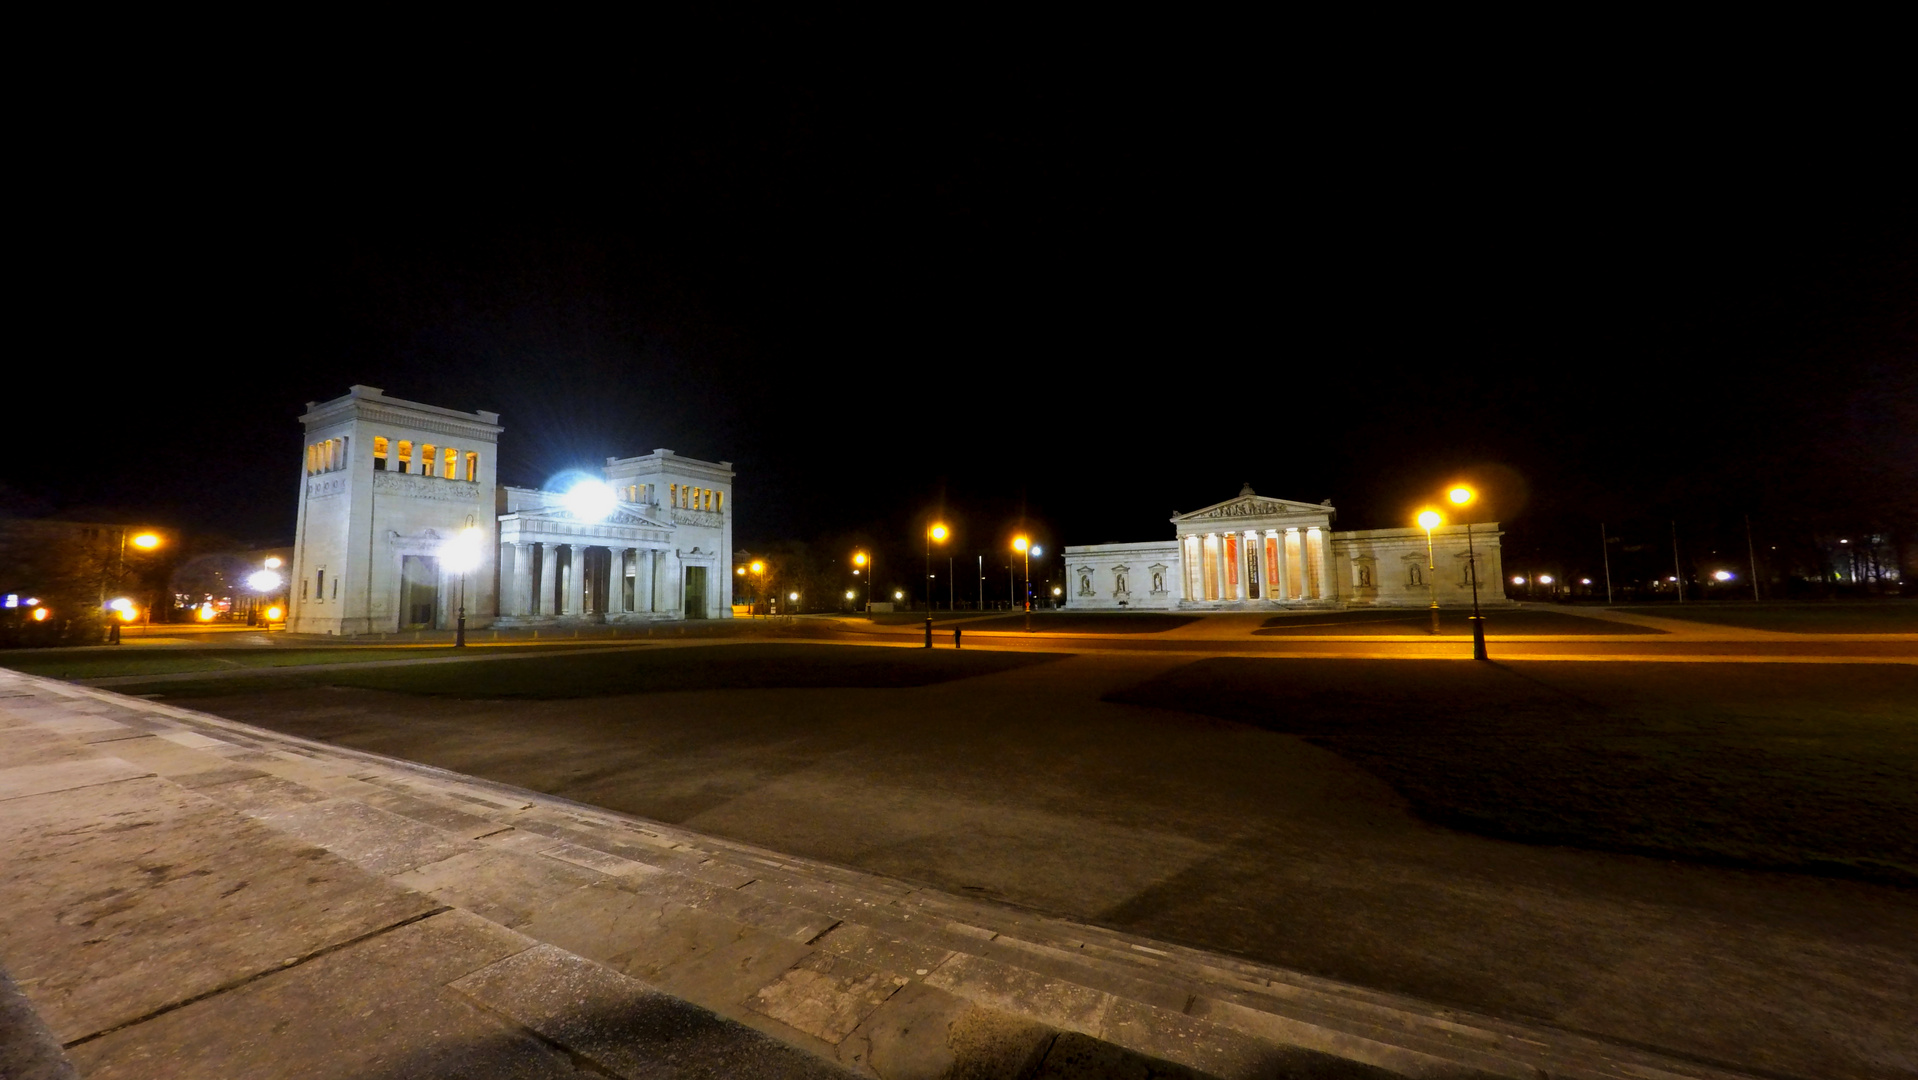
(695, 592)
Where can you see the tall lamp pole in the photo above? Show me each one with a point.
(1462, 497)
(935, 531)
(1024, 548)
(863, 561)
(464, 554)
(1429, 520)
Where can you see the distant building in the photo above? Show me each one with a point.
(1254, 553)
(390, 487)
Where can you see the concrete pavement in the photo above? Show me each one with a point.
(188, 895)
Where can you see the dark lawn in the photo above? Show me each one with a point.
(101, 663)
(1075, 622)
(716, 667)
(1809, 617)
(914, 618)
(1808, 768)
(1419, 621)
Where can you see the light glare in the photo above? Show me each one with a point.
(590, 500)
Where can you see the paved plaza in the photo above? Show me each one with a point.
(1009, 874)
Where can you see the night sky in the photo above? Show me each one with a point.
(1093, 302)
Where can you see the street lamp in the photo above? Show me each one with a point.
(145, 541)
(1429, 520)
(462, 556)
(1463, 496)
(1024, 547)
(863, 561)
(759, 593)
(937, 531)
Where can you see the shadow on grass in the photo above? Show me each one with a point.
(731, 667)
(1802, 768)
(1451, 621)
(1066, 622)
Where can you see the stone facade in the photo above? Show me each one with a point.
(1252, 552)
(389, 485)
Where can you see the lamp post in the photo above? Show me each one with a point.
(862, 561)
(1429, 520)
(1024, 547)
(1463, 496)
(759, 591)
(462, 555)
(935, 531)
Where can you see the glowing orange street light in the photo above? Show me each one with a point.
(1429, 520)
(1024, 547)
(1462, 496)
(935, 531)
(864, 563)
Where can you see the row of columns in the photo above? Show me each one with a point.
(1276, 564)
(562, 588)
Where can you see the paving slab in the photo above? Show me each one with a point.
(628, 1028)
(377, 1008)
(130, 897)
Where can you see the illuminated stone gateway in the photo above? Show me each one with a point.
(1252, 553)
(393, 487)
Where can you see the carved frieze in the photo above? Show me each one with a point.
(708, 518)
(1245, 508)
(411, 486)
(325, 486)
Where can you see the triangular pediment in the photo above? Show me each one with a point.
(1248, 505)
(626, 514)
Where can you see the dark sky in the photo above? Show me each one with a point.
(1100, 300)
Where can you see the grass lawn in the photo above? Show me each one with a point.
(97, 663)
(1808, 617)
(913, 618)
(734, 667)
(1419, 621)
(1804, 768)
(1074, 622)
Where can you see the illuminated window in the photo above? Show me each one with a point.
(326, 456)
(406, 456)
(450, 469)
(379, 453)
(709, 498)
(312, 458)
(472, 465)
(675, 494)
(426, 458)
(720, 502)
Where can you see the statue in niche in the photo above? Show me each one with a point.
(1158, 581)
(1085, 584)
(1120, 578)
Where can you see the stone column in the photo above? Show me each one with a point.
(1328, 579)
(1245, 564)
(549, 566)
(567, 602)
(1243, 589)
(509, 557)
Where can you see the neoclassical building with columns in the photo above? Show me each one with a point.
(397, 495)
(1253, 552)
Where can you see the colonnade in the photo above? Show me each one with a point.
(1292, 564)
(576, 580)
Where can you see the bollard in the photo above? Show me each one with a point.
(955, 637)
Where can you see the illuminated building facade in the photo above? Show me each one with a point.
(1252, 552)
(391, 489)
